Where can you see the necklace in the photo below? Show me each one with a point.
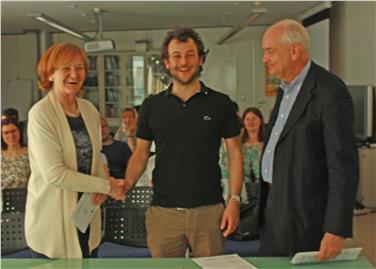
(72, 115)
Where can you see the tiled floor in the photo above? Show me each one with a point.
(365, 236)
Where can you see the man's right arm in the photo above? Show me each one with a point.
(137, 163)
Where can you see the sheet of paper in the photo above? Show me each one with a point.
(84, 212)
(232, 261)
(310, 257)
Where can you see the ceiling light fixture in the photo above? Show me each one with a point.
(256, 12)
(58, 25)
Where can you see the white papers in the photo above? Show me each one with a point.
(310, 257)
(84, 212)
(232, 261)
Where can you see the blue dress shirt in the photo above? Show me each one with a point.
(290, 92)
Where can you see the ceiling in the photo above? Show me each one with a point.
(142, 15)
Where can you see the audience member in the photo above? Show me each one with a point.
(187, 122)
(117, 152)
(127, 129)
(13, 113)
(225, 182)
(15, 168)
(252, 138)
(65, 160)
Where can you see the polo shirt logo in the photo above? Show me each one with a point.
(206, 117)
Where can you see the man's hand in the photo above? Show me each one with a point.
(117, 189)
(331, 246)
(230, 218)
(99, 198)
(128, 184)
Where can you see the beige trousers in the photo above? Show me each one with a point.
(171, 230)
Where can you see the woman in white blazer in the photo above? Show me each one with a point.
(64, 151)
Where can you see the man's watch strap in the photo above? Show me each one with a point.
(235, 197)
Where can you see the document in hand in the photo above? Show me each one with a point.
(232, 261)
(310, 257)
(84, 212)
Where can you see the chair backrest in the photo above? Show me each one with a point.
(14, 199)
(136, 197)
(126, 226)
(124, 222)
(12, 232)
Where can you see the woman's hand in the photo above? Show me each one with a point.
(99, 198)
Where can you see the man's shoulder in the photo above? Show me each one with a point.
(329, 87)
(217, 95)
(156, 97)
(327, 78)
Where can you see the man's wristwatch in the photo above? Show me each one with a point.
(235, 197)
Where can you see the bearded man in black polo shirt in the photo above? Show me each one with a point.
(187, 122)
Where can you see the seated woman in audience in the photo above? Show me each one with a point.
(64, 151)
(252, 138)
(15, 168)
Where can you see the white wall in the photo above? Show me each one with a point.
(19, 54)
(319, 33)
(353, 42)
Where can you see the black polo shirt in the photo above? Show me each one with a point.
(187, 137)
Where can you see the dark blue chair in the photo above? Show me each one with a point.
(245, 248)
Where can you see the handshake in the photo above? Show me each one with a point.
(118, 189)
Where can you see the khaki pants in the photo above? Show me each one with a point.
(171, 230)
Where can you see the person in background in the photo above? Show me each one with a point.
(127, 130)
(187, 122)
(223, 161)
(64, 152)
(105, 164)
(310, 162)
(13, 113)
(116, 152)
(252, 137)
(15, 168)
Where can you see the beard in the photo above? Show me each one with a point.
(175, 75)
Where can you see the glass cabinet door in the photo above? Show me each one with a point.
(135, 79)
(157, 78)
(112, 86)
(91, 85)
(123, 79)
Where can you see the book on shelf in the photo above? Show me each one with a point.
(92, 62)
(112, 79)
(112, 95)
(91, 81)
(112, 62)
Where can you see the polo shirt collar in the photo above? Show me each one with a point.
(203, 89)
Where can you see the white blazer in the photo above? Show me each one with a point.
(54, 180)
